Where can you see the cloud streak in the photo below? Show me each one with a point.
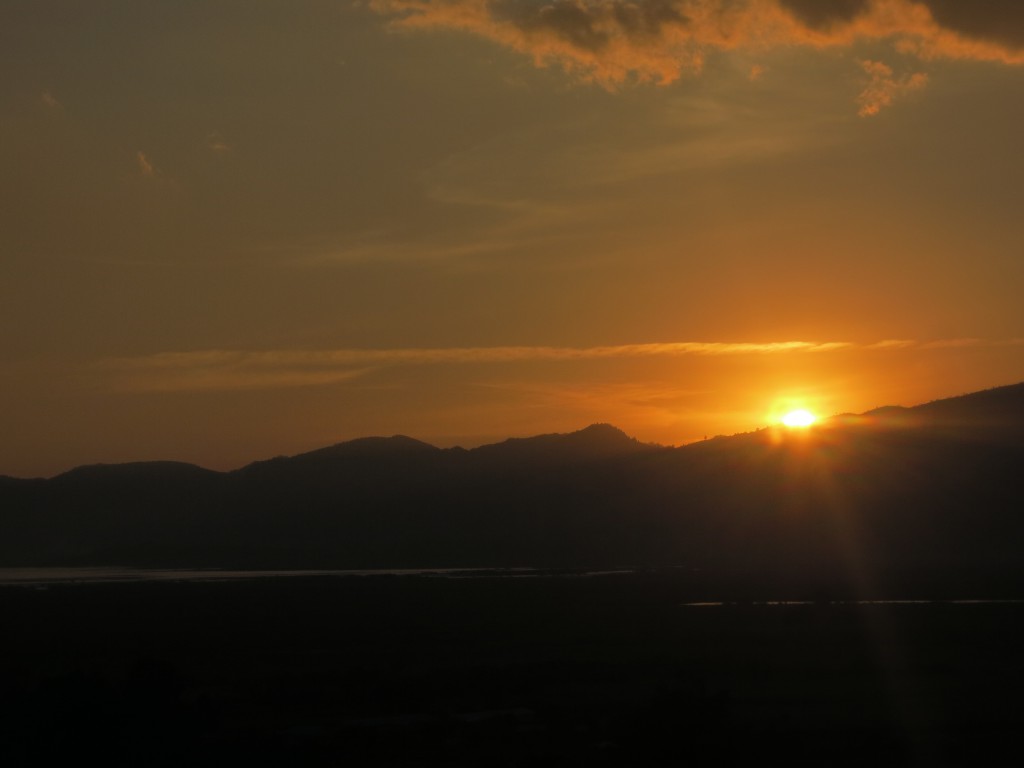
(146, 167)
(614, 42)
(222, 370)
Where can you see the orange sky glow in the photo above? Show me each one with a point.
(230, 231)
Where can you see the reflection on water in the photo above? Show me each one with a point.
(41, 577)
(36, 576)
(776, 603)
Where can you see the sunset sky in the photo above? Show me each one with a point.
(231, 229)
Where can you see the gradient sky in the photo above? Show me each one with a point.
(231, 229)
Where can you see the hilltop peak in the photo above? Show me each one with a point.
(596, 441)
(142, 471)
(603, 430)
(605, 435)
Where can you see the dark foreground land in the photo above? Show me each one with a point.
(431, 671)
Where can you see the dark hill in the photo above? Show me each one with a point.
(928, 498)
(998, 410)
(598, 441)
(362, 452)
(366, 447)
(1000, 407)
(6, 481)
(134, 472)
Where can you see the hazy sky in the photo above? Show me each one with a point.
(231, 229)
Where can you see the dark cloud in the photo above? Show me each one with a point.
(1001, 21)
(589, 27)
(569, 20)
(821, 14)
(648, 18)
(612, 42)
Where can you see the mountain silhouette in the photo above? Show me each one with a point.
(929, 497)
(995, 411)
(368, 447)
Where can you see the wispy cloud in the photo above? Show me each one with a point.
(217, 143)
(613, 42)
(146, 167)
(48, 100)
(276, 369)
(219, 372)
(883, 87)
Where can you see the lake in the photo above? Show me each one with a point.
(458, 668)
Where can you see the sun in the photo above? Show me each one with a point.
(799, 418)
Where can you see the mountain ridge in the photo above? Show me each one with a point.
(1006, 401)
(936, 501)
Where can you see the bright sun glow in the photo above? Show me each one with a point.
(799, 418)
